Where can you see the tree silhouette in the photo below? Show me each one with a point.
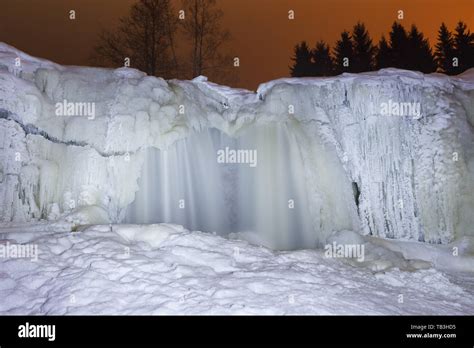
(303, 65)
(343, 53)
(463, 48)
(404, 50)
(148, 37)
(420, 54)
(398, 46)
(202, 26)
(145, 37)
(364, 50)
(444, 53)
(383, 57)
(322, 61)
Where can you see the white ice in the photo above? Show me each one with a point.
(414, 176)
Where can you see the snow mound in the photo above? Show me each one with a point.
(154, 235)
(375, 257)
(22, 64)
(164, 269)
(87, 215)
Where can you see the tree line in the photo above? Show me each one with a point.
(355, 52)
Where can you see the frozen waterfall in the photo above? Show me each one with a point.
(209, 181)
(285, 166)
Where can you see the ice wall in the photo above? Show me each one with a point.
(330, 144)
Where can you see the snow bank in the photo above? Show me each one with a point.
(154, 235)
(164, 269)
(353, 166)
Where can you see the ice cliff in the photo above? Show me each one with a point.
(388, 153)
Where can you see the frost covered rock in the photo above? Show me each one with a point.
(387, 153)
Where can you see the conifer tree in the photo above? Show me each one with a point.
(420, 56)
(302, 58)
(463, 48)
(343, 53)
(383, 55)
(444, 53)
(364, 50)
(398, 46)
(322, 61)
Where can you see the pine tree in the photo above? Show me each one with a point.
(398, 46)
(364, 50)
(322, 61)
(445, 50)
(420, 57)
(344, 53)
(383, 55)
(302, 58)
(463, 48)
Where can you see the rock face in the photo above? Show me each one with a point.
(389, 153)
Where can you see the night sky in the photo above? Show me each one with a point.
(263, 37)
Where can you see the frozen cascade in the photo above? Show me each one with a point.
(322, 143)
(267, 196)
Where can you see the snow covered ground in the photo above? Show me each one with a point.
(165, 269)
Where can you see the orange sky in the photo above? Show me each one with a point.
(263, 37)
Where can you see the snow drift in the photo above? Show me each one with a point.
(165, 269)
(388, 153)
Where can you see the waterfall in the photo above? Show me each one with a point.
(261, 191)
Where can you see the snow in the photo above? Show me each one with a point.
(20, 63)
(165, 269)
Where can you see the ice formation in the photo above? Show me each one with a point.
(388, 153)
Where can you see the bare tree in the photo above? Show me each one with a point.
(146, 37)
(202, 26)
